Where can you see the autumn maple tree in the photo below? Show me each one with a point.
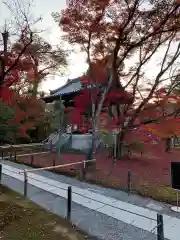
(25, 61)
(14, 65)
(121, 38)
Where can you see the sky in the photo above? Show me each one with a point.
(52, 33)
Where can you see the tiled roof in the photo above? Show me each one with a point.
(72, 85)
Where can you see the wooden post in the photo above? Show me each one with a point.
(115, 149)
(0, 173)
(69, 202)
(160, 227)
(129, 181)
(51, 146)
(15, 156)
(32, 159)
(25, 183)
(10, 156)
(54, 162)
(84, 170)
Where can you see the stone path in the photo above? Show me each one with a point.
(99, 211)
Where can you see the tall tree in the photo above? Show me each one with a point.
(25, 61)
(47, 59)
(120, 38)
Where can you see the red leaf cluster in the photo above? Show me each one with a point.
(27, 109)
(6, 94)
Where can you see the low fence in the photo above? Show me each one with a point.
(121, 175)
(83, 163)
(158, 229)
(151, 180)
(12, 151)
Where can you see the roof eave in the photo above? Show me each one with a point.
(69, 82)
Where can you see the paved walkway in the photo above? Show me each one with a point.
(99, 211)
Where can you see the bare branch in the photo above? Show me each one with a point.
(167, 51)
(155, 120)
(21, 53)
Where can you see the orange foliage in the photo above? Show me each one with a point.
(166, 128)
(123, 26)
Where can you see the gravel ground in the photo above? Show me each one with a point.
(96, 224)
(117, 194)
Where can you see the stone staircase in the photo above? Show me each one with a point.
(52, 142)
(82, 142)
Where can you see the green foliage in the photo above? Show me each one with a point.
(6, 129)
(136, 146)
(107, 138)
(158, 192)
(58, 109)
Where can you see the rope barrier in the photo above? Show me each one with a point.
(21, 145)
(58, 166)
(79, 194)
(105, 204)
(25, 155)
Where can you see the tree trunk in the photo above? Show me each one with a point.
(168, 145)
(120, 145)
(95, 134)
(91, 166)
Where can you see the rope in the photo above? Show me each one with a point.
(58, 166)
(105, 204)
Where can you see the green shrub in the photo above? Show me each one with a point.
(158, 192)
(136, 146)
